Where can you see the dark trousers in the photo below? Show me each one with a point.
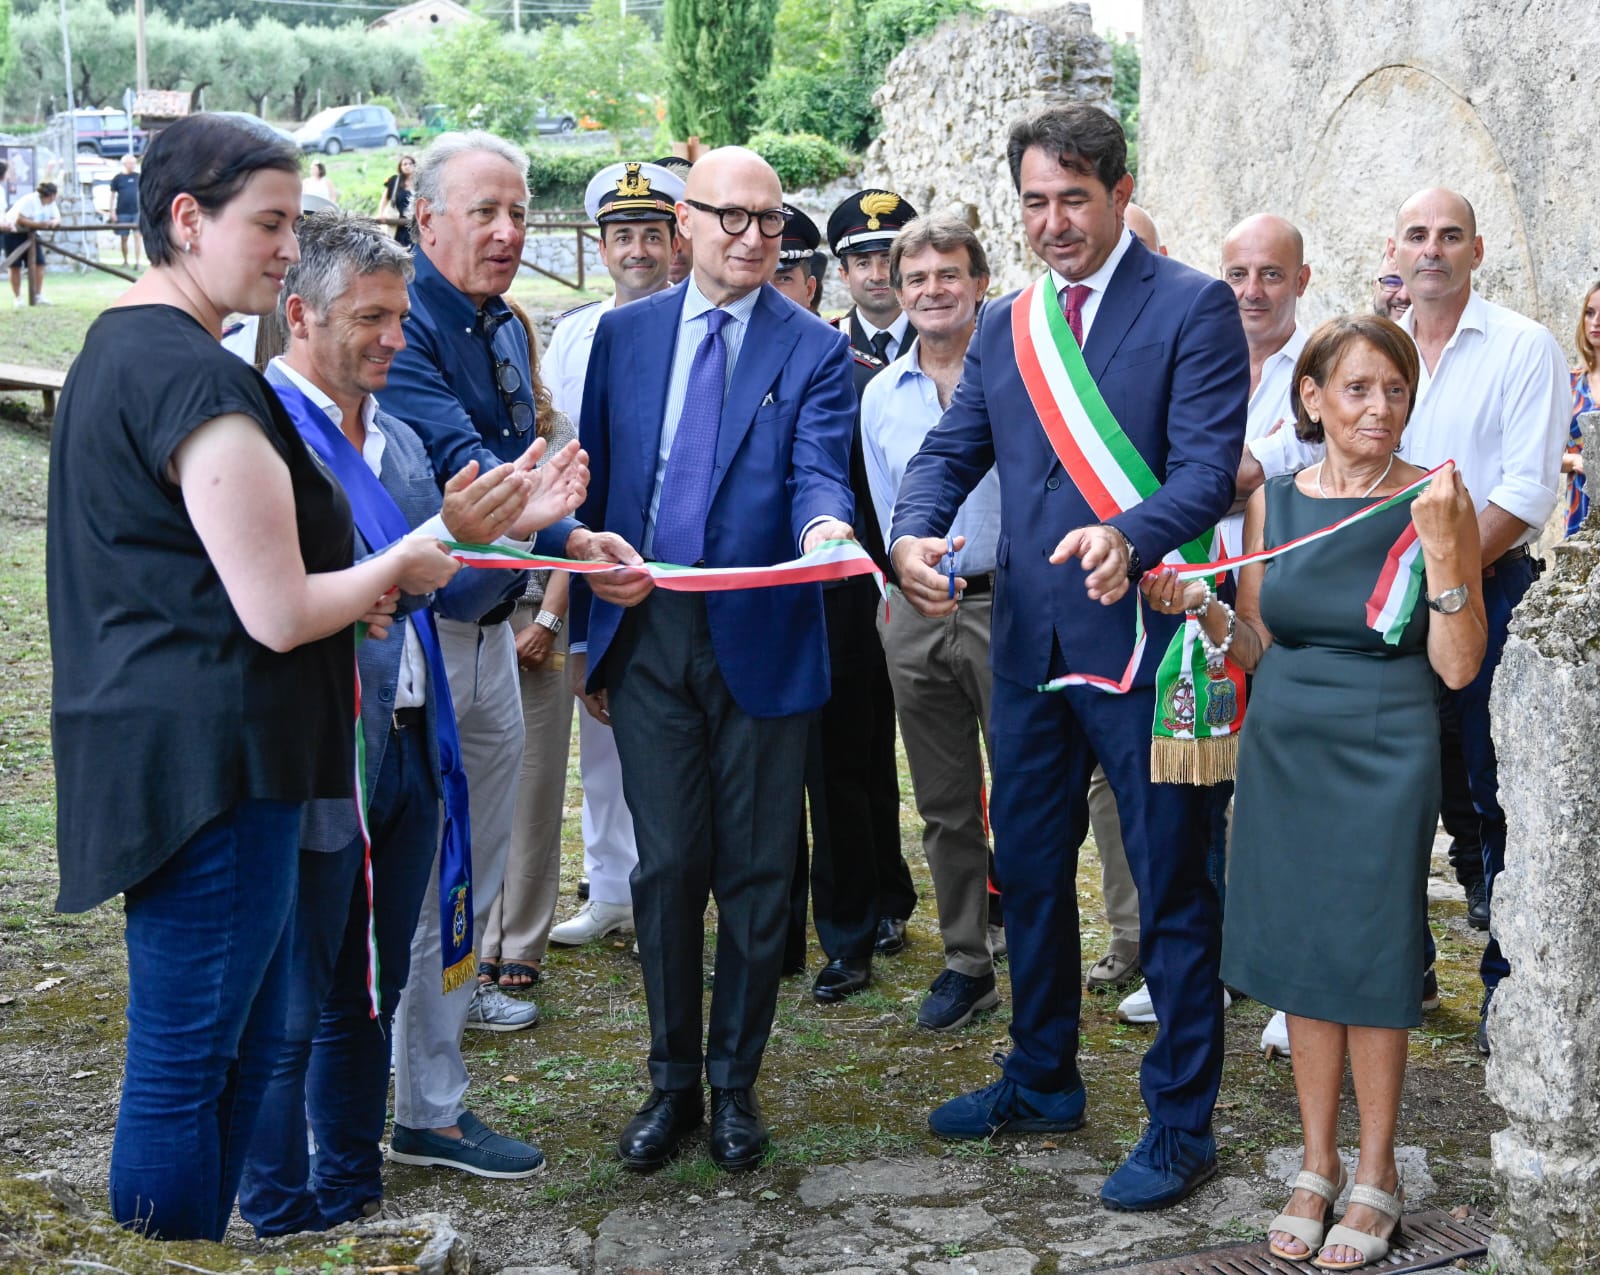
(858, 873)
(1504, 583)
(1045, 747)
(207, 976)
(715, 795)
(1456, 811)
(333, 1066)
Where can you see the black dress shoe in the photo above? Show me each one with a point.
(654, 1134)
(891, 935)
(738, 1138)
(844, 977)
(1478, 904)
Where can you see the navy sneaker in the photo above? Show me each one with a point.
(1006, 1105)
(479, 1150)
(953, 1000)
(1165, 1166)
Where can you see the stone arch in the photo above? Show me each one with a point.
(1399, 128)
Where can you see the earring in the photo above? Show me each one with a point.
(1316, 420)
(188, 245)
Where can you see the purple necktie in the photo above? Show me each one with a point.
(1072, 298)
(685, 488)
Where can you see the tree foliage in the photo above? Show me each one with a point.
(484, 78)
(607, 67)
(717, 52)
(830, 58)
(5, 41)
(266, 66)
(1125, 92)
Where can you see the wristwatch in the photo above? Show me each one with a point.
(1449, 601)
(551, 621)
(1135, 563)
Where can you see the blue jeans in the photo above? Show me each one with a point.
(333, 1065)
(207, 971)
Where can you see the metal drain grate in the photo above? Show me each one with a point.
(1432, 1239)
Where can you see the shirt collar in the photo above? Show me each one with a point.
(696, 303)
(896, 330)
(1101, 278)
(1475, 318)
(1289, 351)
(909, 363)
(450, 306)
(369, 405)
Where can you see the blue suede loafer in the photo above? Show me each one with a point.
(1165, 1166)
(1007, 1106)
(479, 1150)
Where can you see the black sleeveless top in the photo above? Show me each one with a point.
(166, 713)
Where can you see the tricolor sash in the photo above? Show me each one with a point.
(1199, 708)
(381, 523)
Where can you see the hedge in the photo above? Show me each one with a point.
(801, 159)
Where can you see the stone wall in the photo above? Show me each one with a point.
(948, 100)
(1331, 114)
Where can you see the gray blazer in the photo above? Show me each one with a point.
(330, 824)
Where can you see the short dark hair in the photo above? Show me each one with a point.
(1328, 345)
(1081, 137)
(210, 157)
(46, 190)
(943, 232)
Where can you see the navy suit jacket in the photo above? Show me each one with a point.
(1168, 352)
(329, 823)
(782, 461)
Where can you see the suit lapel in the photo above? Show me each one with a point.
(649, 368)
(765, 350)
(1130, 288)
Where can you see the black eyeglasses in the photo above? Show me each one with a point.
(735, 221)
(507, 376)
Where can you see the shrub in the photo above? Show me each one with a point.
(801, 159)
(558, 176)
(834, 104)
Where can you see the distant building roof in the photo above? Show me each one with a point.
(422, 14)
(165, 104)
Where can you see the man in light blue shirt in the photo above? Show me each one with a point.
(939, 666)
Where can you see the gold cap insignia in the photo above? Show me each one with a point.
(880, 203)
(633, 186)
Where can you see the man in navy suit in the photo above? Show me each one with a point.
(343, 305)
(1164, 346)
(718, 418)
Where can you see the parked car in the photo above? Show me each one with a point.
(247, 118)
(105, 132)
(548, 121)
(342, 128)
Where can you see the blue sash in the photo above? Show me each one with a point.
(381, 522)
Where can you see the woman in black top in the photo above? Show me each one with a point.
(201, 600)
(397, 196)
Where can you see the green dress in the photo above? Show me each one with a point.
(1338, 790)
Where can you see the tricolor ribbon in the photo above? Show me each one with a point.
(831, 560)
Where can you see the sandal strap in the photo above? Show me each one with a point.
(1373, 1248)
(1309, 1231)
(1306, 1180)
(1376, 1198)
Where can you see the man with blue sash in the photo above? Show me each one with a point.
(1110, 398)
(357, 907)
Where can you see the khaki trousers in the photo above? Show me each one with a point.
(1116, 879)
(939, 669)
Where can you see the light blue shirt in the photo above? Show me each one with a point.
(898, 408)
(692, 329)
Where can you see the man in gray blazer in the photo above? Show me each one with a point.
(343, 304)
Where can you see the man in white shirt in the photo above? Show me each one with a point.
(36, 210)
(633, 206)
(1495, 398)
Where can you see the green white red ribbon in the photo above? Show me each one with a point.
(1390, 607)
(831, 560)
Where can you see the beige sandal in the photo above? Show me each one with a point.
(1373, 1248)
(1308, 1230)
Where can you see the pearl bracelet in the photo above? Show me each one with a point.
(1205, 605)
(1216, 654)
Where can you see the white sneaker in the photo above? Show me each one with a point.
(18, 303)
(1137, 1007)
(41, 299)
(1275, 1036)
(492, 1010)
(595, 921)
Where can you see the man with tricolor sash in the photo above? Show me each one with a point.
(1110, 396)
(364, 868)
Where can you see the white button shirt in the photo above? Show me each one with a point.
(1097, 283)
(566, 359)
(1499, 403)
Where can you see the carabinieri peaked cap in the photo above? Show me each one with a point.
(868, 221)
(632, 192)
(800, 236)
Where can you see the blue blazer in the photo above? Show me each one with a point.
(330, 824)
(1168, 352)
(783, 460)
